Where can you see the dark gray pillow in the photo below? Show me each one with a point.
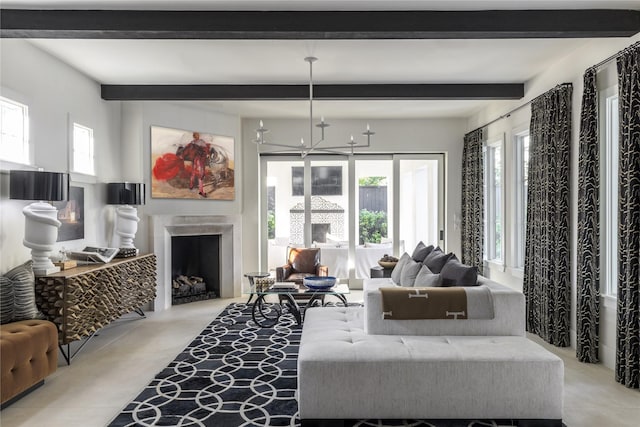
(437, 259)
(455, 273)
(24, 293)
(426, 278)
(397, 270)
(6, 300)
(421, 251)
(409, 273)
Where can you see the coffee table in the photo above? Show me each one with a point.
(266, 314)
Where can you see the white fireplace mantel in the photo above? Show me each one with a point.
(227, 227)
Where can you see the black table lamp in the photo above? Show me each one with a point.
(41, 218)
(127, 195)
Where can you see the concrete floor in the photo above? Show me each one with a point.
(116, 365)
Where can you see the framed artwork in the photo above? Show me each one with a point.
(71, 215)
(187, 164)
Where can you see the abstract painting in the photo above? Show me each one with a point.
(188, 164)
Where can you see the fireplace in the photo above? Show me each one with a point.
(195, 268)
(226, 228)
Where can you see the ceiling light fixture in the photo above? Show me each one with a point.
(306, 148)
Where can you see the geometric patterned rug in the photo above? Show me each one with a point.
(233, 374)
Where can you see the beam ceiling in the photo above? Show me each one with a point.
(316, 25)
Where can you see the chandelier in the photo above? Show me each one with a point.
(307, 147)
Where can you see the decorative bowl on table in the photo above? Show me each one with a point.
(319, 282)
(387, 264)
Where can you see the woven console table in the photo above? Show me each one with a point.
(84, 299)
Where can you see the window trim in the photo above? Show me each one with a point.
(609, 206)
(489, 235)
(520, 198)
(75, 175)
(15, 98)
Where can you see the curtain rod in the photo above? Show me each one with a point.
(508, 113)
(599, 64)
(615, 55)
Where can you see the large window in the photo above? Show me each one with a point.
(14, 131)
(522, 172)
(493, 201)
(609, 191)
(83, 156)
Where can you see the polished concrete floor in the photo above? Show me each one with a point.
(116, 365)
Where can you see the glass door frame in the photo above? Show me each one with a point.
(351, 173)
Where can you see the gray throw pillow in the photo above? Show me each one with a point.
(421, 251)
(437, 259)
(455, 273)
(397, 270)
(6, 300)
(409, 273)
(24, 293)
(427, 279)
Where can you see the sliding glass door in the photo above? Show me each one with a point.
(355, 209)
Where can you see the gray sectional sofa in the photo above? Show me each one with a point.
(353, 364)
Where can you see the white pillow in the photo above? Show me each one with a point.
(427, 278)
(409, 272)
(397, 270)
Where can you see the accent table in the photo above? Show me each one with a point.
(266, 314)
(252, 276)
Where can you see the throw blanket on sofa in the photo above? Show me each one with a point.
(402, 303)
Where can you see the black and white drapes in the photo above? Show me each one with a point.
(547, 285)
(472, 223)
(628, 315)
(588, 268)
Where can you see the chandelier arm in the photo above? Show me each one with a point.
(307, 148)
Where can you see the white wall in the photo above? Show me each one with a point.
(570, 69)
(137, 119)
(55, 94)
(392, 136)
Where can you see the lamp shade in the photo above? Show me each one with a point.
(125, 193)
(38, 185)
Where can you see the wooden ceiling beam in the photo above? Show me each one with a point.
(318, 25)
(320, 92)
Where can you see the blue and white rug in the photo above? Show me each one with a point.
(234, 374)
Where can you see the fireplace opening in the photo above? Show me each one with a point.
(195, 268)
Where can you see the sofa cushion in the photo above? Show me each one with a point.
(437, 259)
(397, 270)
(455, 273)
(427, 278)
(421, 251)
(409, 273)
(24, 306)
(6, 300)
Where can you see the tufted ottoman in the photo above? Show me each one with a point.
(28, 354)
(344, 373)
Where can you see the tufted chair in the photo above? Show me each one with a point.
(301, 262)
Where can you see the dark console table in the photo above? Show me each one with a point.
(84, 299)
(377, 272)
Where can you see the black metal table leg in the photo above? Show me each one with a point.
(265, 315)
(295, 308)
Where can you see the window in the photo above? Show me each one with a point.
(493, 201)
(14, 131)
(522, 172)
(609, 191)
(83, 155)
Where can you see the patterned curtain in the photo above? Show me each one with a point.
(628, 317)
(588, 288)
(472, 223)
(547, 284)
